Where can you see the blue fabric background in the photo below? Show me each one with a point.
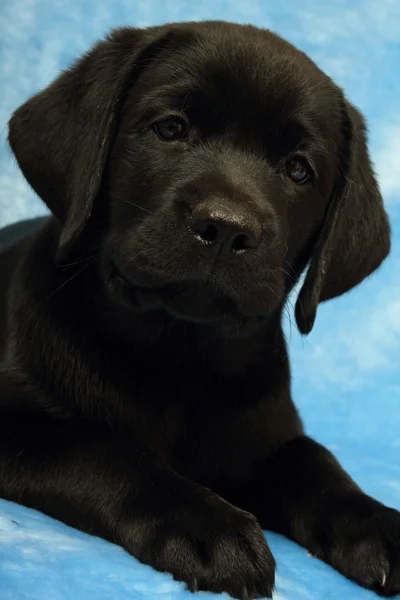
(346, 374)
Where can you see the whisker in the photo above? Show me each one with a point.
(77, 262)
(283, 271)
(137, 206)
(275, 245)
(130, 259)
(286, 251)
(68, 281)
(290, 266)
(288, 315)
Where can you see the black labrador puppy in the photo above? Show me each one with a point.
(194, 172)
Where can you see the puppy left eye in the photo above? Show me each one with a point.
(298, 170)
(171, 129)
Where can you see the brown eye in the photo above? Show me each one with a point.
(171, 128)
(298, 170)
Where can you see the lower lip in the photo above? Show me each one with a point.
(141, 280)
(146, 292)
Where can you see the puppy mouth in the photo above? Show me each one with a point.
(194, 300)
(198, 301)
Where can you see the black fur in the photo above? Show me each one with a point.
(144, 379)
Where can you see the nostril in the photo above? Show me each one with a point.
(243, 241)
(207, 231)
(215, 232)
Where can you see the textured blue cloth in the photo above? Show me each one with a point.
(42, 559)
(346, 374)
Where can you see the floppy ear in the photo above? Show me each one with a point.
(355, 237)
(61, 136)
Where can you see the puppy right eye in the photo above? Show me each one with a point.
(171, 129)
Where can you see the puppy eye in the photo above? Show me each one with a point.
(298, 170)
(171, 128)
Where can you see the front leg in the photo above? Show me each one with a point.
(100, 481)
(304, 493)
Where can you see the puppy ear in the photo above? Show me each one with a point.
(61, 136)
(355, 237)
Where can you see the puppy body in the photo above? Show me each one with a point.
(193, 171)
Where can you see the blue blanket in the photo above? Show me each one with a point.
(346, 374)
(42, 559)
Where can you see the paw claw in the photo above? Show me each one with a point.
(384, 577)
(245, 594)
(194, 586)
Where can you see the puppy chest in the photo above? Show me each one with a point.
(221, 445)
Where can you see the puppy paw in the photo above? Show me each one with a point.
(365, 546)
(211, 546)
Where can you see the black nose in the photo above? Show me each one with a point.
(218, 224)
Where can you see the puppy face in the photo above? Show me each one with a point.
(222, 157)
(220, 177)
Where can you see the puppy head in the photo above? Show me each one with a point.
(221, 162)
